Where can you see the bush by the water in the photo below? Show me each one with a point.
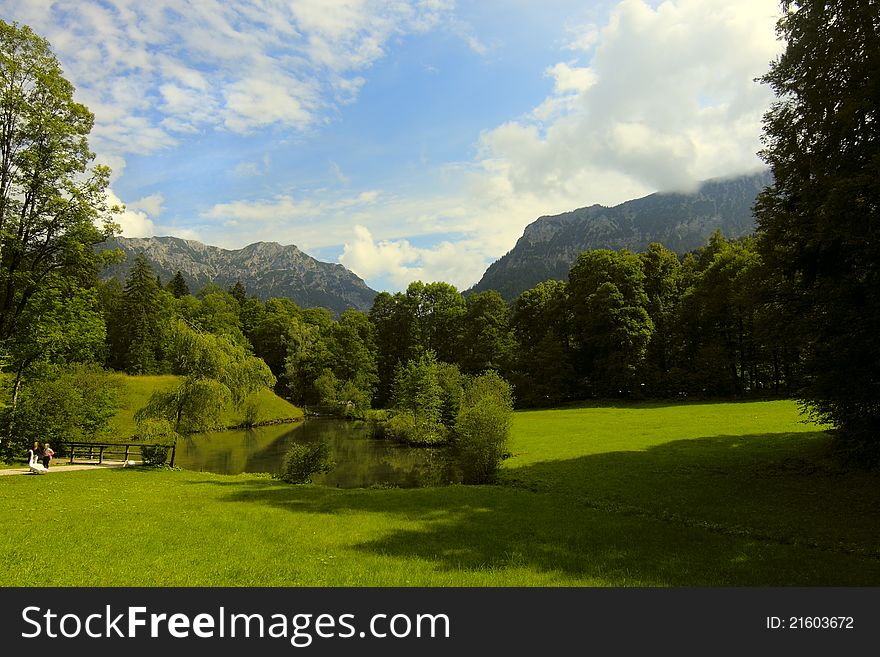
(426, 398)
(302, 462)
(157, 434)
(412, 429)
(154, 454)
(482, 428)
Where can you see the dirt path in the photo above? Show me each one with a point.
(65, 467)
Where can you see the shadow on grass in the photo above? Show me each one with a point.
(671, 402)
(763, 510)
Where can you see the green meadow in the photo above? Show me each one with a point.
(722, 494)
(135, 392)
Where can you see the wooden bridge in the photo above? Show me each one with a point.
(100, 452)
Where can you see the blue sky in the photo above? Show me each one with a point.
(407, 139)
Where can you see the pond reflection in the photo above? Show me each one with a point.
(361, 460)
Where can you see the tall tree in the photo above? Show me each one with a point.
(722, 307)
(543, 373)
(353, 347)
(397, 338)
(819, 222)
(177, 285)
(307, 358)
(610, 325)
(437, 310)
(267, 327)
(51, 200)
(141, 319)
(663, 287)
(487, 338)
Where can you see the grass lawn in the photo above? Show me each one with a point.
(136, 391)
(645, 495)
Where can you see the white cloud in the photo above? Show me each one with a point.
(665, 97)
(153, 204)
(285, 208)
(570, 78)
(153, 70)
(258, 102)
(309, 223)
(133, 222)
(668, 98)
(403, 263)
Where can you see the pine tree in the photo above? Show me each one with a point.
(141, 306)
(238, 293)
(177, 286)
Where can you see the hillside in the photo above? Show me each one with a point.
(681, 222)
(135, 391)
(266, 269)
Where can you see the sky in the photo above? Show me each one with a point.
(406, 139)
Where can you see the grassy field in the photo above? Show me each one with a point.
(136, 391)
(645, 495)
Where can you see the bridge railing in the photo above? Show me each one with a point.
(100, 452)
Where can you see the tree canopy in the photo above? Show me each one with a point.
(819, 221)
(53, 205)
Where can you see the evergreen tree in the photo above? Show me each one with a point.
(819, 222)
(177, 286)
(141, 308)
(238, 292)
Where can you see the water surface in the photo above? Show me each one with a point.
(361, 460)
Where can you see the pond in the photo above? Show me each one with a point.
(361, 461)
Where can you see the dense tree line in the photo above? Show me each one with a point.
(624, 325)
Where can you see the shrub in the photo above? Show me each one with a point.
(303, 461)
(154, 454)
(407, 427)
(153, 431)
(482, 428)
(60, 403)
(251, 414)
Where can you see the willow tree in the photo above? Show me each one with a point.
(217, 374)
(819, 222)
(53, 205)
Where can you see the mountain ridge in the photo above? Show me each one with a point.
(680, 221)
(266, 269)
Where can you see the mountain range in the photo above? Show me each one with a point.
(547, 249)
(266, 269)
(681, 222)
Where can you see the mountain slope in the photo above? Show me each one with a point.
(681, 222)
(266, 269)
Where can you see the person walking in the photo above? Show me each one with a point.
(48, 453)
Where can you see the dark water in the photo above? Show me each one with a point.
(361, 461)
